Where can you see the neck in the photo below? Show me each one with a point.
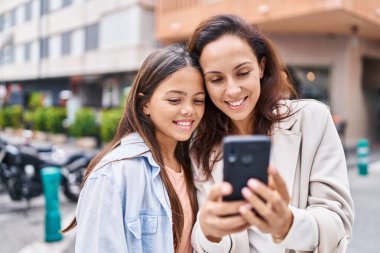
(167, 151)
(243, 127)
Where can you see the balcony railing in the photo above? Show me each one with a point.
(175, 5)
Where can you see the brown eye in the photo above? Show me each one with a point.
(199, 101)
(245, 73)
(174, 101)
(216, 80)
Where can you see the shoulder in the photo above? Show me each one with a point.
(303, 114)
(304, 105)
(116, 165)
(308, 111)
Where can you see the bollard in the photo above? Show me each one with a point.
(363, 156)
(51, 178)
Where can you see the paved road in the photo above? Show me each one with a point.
(20, 227)
(22, 231)
(366, 194)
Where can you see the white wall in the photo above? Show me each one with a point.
(125, 38)
(77, 43)
(55, 47)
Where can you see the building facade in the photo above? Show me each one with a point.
(331, 48)
(91, 48)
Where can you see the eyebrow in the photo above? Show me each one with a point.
(236, 67)
(183, 93)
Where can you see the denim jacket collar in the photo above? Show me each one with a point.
(131, 146)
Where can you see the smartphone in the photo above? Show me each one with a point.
(245, 157)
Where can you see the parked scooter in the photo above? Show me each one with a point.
(20, 167)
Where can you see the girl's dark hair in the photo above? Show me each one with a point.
(274, 87)
(157, 67)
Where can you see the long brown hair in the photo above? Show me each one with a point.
(157, 67)
(274, 87)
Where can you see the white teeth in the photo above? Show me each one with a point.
(236, 103)
(184, 123)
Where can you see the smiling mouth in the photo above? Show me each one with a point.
(184, 124)
(237, 103)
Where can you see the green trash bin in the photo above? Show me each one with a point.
(51, 178)
(363, 156)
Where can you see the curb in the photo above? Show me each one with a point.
(62, 246)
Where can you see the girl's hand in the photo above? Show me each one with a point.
(272, 214)
(218, 218)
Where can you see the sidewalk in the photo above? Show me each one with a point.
(365, 191)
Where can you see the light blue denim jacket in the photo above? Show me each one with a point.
(124, 206)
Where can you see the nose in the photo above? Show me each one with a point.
(187, 109)
(233, 89)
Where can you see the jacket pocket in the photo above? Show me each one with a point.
(141, 232)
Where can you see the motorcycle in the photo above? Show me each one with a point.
(20, 168)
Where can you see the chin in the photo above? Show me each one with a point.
(183, 137)
(238, 116)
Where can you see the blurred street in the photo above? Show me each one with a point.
(22, 229)
(67, 66)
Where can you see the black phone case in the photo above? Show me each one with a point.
(245, 157)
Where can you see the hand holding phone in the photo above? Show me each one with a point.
(245, 157)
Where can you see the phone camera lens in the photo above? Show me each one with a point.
(232, 158)
(247, 159)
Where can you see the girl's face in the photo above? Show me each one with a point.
(177, 105)
(232, 75)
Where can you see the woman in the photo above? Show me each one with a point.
(138, 194)
(307, 205)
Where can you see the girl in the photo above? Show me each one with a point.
(138, 194)
(307, 205)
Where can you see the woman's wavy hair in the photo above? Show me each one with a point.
(157, 67)
(275, 86)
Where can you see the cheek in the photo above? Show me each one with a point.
(200, 111)
(213, 92)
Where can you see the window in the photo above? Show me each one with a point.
(66, 43)
(1, 57)
(8, 54)
(13, 16)
(28, 11)
(91, 37)
(44, 7)
(27, 49)
(44, 48)
(2, 21)
(311, 82)
(66, 2)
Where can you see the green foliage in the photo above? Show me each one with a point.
(4, 119)
(109, 120)
(54, 119)
(28, 119)
(39, 119)
(11, 116)
(84, 123)
(35, 101)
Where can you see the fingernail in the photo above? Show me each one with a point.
(243, 209)
(246, 192)
(248, 206)
(225, 189)
(252, 183)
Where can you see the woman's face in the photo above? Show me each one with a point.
(232, 75)
(177, 105)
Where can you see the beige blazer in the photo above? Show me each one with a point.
(308, 154)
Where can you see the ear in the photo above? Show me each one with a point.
(146, 109)
(262, 67)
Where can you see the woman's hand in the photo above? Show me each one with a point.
(272, 214)
(218, 218)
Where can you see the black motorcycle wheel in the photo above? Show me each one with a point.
(72, 184)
